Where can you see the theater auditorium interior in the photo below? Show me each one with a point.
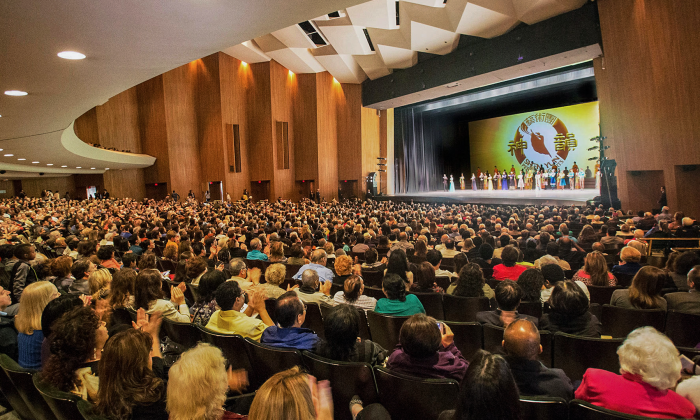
(349, 209)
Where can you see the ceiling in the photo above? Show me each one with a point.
(426, 26)
(126, 43)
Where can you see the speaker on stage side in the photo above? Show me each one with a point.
(608, 185)
(371, 184)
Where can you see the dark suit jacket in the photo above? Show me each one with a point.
(535, 379)
(684, 301)
(494, 318)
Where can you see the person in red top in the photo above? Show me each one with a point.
(508, 269)
(649, 368)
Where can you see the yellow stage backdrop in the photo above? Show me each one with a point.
(557, 136)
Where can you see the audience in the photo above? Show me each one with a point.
(274, 277)
(644, 293)
(317, 264)
(471, 283)
(205, 301)
(569, 312)
(343, 269)
(290, 313)
(148, 294)
(553, 274)
(531, 281)
(508, 269)
(689, 301)
(230, 320)
(425, 279)
(341, 342)
(595, 271)
(397, 303)
(34, 299)
(313, 291)
(508, 297)
(352, 294)
(629, 266)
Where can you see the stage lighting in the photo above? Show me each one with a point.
(593, 148)
(593, 158)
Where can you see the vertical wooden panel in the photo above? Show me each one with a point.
(33, 186)
(259, 117)
(125, 183)
(647, 87)
(305, 128)
(328, 93)
(370, 146)
(350, 154)
(281, 91)
(9, 188)
(118, 123)
(209, 119)
(390, 151)
(85, 127)
(152, 129)
(182, 146)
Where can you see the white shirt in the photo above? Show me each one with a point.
(363, 302)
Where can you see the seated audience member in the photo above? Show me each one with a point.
(649, 369)
(129, 261)
(471, 283)
(290, 313)
(255, 252)
(343, 269)
(553, 252)
(398, 264)
(61, 269)
(313, 291)
(508, 296)
(426, 348)
(277, 253)
(352, 294)
(318, 264)
(205, 302)
(553, 274)
(371, 261)
(595, 271)
(531, 282)
(571, 252)
(81, 271)
(34, 299)
(397, 303)
(449, 251)
(274, 277)
(76, 344)
(342, 329)
(425, 279)
(230, 320)
(8, 333)
(630, 262)
(195, 268)
(297, 256)
(508, 269)
(688, 302)
(53, 311)
(200, 373)
(420, 252)
(569, 312)
(106, 257)
(98, 280)
(485, 259)
(488, 391)
(644, 293)
(148, 294)
(611, 238)
(435, 259)
(246, 278)
(132, 375)
(521, 342)
(682, 266)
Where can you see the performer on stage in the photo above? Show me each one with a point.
(521, 183)
(566, 176)
(478, 177)
(511, 179)
(495, 169)
(553, 179)
(481, 181)
(575, 168)
(562, 180)
(571, 180)
(497, 180)
(461, 181)
(504, 181)
(588, 172)
(489, 181)
(538, 186)
(473, 182)
(597, 178)
(452, 184)
(444, 182)
(581, 179)
(528, 180)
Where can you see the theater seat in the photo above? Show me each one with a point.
(232, 346)
(422, 399)
(12, 395)
(493, 339)
(432, 303)
(269, 360)
(444, 282)
(314, 320)
(22, 380)
(364, 326)
(464, 309)
(87, 410)
(581, 410)
(575, 354)
(63, 404)
(385, 329)
(468, 337)
(531, 308)
(374, 292)
(347, 380)
(601, 294)
(618, 322)
(682, 328)
(543, 408)
(372, 278)
(183, 333)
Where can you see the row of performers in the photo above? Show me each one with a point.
(541, 180)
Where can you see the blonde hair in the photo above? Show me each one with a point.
(343, 265)
(275, 274)
(286, 395)
(200, 374)
(99, 279)
(651, 355)
(34, 299)
(630, 254)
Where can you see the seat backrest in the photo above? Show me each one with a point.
(12, 396)
(372, 278)
(493, 338)
(87, 411)
(347, 380)
(444, 282)
(374, 292)
(63, 404)
(618, 322)
(271, 306)
(292, 269)
(364, 326)
(385, 329)
(582, 410)
(464, 309)
(682, 328)
(468, 337)
(624, 280)
(22, 380)
(531, 308)
(183, 333)
(232, 346)
(543, 408)
(429, 397)
(269, 360)
(601, 294)
(335, 288)
(575, 354)
(167, 265)
(547, 343)
(314, 319)
(432, 303)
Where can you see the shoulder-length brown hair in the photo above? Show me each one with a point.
(125, 378)
(597, 268)
(646, 286)
(122, 287)
(148, 288)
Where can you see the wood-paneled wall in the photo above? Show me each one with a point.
(328, 94)
(648, 91)
(371, 138)
(209, 119)
(152, 128)
(281, 93)
(34, 186)
(8, 187)
(305, 118)
(118, 122)
(85, 127)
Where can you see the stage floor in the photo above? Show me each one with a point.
(510, 197)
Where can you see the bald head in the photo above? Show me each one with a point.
(318, 257)
(521, 339)
(309, 278)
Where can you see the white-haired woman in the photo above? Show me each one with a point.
(198, 383)
(649, 368)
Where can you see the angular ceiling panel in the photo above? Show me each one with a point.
(373, 65)
(294, 37)
(298, 60)
(431, 39)
(397, 58)
(248, 52)
(374, 14)
(484, 23)
(341, 66)
(533, 11)
(346, 39)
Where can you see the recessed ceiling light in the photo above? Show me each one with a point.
(49, 164)
(106, 169)
(78, 167)
(15, 93)
(1, 150)
(64, 166)
(0, 116)
(71, 55)
(36, 162)
(92, 168)
(9, 154)
(21, 159)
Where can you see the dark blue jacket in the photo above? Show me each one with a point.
(295, 338)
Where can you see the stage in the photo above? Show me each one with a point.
(510, 197)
